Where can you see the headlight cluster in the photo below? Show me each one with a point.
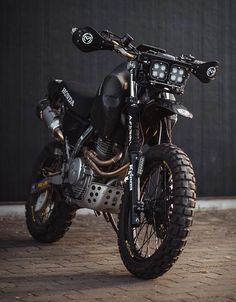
(174, 75)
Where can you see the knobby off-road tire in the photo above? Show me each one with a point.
(51, 222)
(167, 216)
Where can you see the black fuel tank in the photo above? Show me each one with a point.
(106, 111)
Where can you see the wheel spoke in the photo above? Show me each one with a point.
(139, 230)
(157, 195)
(147, 240)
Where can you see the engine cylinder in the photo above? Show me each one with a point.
(104, 148)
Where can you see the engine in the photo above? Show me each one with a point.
(81, 175)
(85, 189)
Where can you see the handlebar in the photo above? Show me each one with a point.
(87, 39)
(121, 44)
(122, 51)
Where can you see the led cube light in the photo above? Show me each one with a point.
(159, 71)
(178, 75)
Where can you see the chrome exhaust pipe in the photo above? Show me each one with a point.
(51, 120)
(94, 162)
(104, 163)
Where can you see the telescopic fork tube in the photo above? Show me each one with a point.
(134, 148)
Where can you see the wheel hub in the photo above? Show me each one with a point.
(157, 214)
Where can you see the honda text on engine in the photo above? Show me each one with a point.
(113, 153)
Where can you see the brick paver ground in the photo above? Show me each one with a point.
(86, 266)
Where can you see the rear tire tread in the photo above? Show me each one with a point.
(62, 215)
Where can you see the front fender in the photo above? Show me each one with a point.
(174, 107)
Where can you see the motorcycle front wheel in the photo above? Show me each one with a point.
(48, 217)
(168, 192)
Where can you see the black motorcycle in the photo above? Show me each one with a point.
(113, 153)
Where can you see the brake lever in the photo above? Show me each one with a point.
(110, 35)
(126, 40)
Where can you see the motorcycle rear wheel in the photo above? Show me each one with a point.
(168, 192)
(50, 221)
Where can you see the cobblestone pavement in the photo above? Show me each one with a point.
(85, 265)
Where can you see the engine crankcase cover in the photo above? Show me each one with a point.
(76, 171)
(79, 177)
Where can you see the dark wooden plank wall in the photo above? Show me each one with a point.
(36, 44)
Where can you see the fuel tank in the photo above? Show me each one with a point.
(106, 111)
